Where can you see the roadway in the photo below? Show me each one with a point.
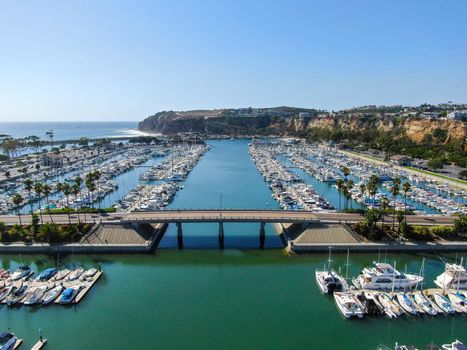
(228, 215)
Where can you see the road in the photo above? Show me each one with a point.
(231, 215)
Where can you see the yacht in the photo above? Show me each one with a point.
(7, 341)
(349, 305)
(453, 277)
(61, 275)
(36, 295)
(458, 301)
(384, 277)
(88, 274)
(5, 292)
(17, 295)
(21, 272)
(46, 274)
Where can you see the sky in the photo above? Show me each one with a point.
(121, 60)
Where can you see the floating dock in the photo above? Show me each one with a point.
(85, 286)
(18, 343)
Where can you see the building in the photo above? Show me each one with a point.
(457, 115)
(400, 160)
(52, 159)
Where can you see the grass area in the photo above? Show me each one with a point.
(438, 175)
(80, 211)
(364, 155)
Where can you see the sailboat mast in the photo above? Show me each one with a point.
(394, 276)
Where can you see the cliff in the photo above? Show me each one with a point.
(288, 121)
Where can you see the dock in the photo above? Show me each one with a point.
(39, 345)
(87, 285)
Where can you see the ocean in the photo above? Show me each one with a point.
(70, 130)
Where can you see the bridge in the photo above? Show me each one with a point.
(220, 216)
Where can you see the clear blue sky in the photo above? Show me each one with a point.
(124, 60)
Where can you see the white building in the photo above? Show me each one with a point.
(457, 115)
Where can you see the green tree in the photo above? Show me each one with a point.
(47, 190)
(435, 163)
(460, 226)
(17, 200)
(406, 187)
(28, 186)
(395, 189)
(38, 191)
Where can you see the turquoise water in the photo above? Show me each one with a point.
(211, 299)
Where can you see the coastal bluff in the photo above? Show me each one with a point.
(291, 121)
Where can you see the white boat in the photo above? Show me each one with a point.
(453, 277)
(52, 294)
(423, 302)
(329, 280)
(443, 303)
(60, 275)
(5, 292)
(88, 274)
(458, 301)
(74, 275)
(456, 345)
(390, 305)
(406, 303)
(36, 295)
(384, 277)
(349, 305)
(22, 271)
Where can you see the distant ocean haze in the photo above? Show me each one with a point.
(70, 130)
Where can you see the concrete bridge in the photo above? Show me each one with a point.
(182, 216)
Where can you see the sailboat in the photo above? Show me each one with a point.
(329, 280)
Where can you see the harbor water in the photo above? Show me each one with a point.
(209, 298)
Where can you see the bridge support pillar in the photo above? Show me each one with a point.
(262, 235)
(179, 235)
(221, 235)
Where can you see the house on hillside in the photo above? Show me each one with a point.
(400, 160)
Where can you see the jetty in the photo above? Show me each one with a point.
(39, 345)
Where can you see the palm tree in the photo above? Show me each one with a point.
(384, 206)
(349, 186)
(66, 188)
(91, 186)
(395, 189)
(339, 185)
(362, 190)
(38, 190)
(47, 190)
(405, 189)
(75, 190)
(97, 175)
(28, 186)
(345, 171)
(17, 200)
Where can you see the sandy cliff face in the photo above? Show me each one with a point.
(416, 129)
(173, 122)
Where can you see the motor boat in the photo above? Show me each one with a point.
(69, 295)
(5, 292)
(52, 294)
(458, 301)
(456, 345)
(329, 281)
(17, 295)
(443, 303)
(36, 295)
(453, 277)
(21, 272)
(60, 275)
(424, 303)
(406, 303)
(88, 274)
(349, 305)
(384, 277)
(46, 274)
(7, 341)
(74, 275)
(390, 304)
